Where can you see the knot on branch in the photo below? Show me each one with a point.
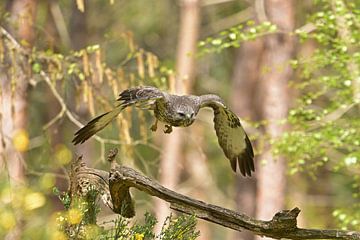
(76, 166)
(85, 181)
(79, 185)
(285, 219)
(111, 156)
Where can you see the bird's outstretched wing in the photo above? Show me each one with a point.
(140, 96)
(231, 135)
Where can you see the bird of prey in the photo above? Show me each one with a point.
(180, 111)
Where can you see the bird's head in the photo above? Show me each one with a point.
(186, 115)
(184, 110)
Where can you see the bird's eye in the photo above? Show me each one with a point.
(181, 114)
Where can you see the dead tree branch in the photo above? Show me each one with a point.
(283, 224)
(120, 179)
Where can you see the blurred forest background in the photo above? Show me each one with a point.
(289, 69)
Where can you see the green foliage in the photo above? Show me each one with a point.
(183, 227)
(63, 197)
(326, 113)
(234, 36)
(348, 219)
(79, 222)
(325, 122)
(147, 228)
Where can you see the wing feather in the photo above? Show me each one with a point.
(231, 135)
(144, 97)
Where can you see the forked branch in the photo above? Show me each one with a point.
(282, 225)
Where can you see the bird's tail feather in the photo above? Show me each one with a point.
(95, 125)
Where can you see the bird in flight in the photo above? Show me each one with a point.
(181, 111)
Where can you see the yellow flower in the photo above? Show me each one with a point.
(74, 216)
(21, 140)
(139, 236)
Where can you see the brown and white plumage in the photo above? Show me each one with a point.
(144, 97)
(231, 135)
(180, 111)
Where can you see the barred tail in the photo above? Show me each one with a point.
(95, 125)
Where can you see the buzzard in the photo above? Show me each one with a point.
(181, 111)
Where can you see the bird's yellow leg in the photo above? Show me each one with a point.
(168, 129)
(154, 126)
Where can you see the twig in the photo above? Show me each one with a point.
(307, 28)
(228, 22)
(333, 116)
(12, 40)
(64, 109)
(214, 2)
(58, 97)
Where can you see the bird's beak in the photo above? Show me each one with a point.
(188, 116)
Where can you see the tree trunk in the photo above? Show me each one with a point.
(170, 163)
(13, 100)
(23, 14)
(278, 49)
(245, 80)
(14, 92)
(201, 184)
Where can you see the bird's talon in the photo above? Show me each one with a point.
(168, 129)
(153, 128)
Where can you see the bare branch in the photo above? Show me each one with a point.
(11, 38)
(282, 225)
(228, 22)
(333, 116)
(307, 28)
(121, 178)
(214, 2)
